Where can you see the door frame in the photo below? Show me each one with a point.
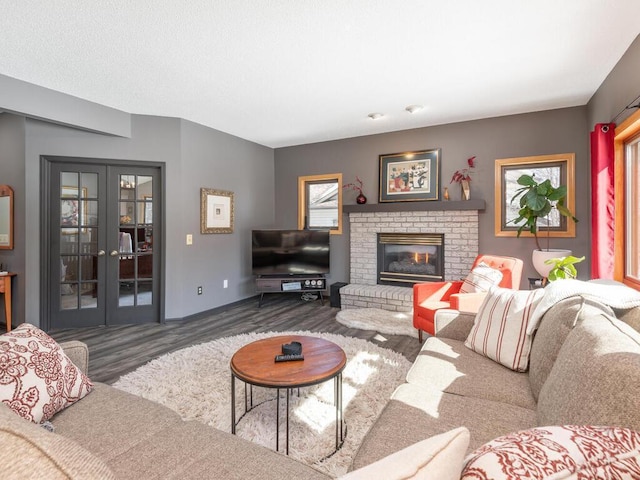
(46, 162)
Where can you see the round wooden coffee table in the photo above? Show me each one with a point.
(255, 364)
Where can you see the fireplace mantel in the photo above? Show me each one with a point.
(473, 204)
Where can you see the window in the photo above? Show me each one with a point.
(631, 207)
(320, 202)
(627, 174)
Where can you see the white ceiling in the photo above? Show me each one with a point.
(288, 72)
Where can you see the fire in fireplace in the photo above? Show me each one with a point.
(408, 258)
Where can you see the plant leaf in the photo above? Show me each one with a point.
(526, 180)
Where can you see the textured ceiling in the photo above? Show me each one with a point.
(288, 72)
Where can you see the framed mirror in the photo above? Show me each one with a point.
(6, 217)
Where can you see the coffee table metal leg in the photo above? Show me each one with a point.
(288, 391)
(277, 420)
(337, 404)
(340, 409)
(337, 391)
(233, 404)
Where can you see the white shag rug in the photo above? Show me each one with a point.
(196, 383)
(383, 321)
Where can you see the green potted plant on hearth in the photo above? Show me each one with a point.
(537, 201)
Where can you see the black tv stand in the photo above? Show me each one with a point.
(290, 283)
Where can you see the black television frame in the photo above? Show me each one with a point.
(290, 253)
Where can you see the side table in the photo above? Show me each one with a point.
(5, 288)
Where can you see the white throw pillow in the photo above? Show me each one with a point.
(481, 279)
(437, 458)
(37, 379)
(500, 327)
(558, 452)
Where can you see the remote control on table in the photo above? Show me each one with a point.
(289, 358)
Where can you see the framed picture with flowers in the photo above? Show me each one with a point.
(410, 176)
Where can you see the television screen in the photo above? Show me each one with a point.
(290, 252)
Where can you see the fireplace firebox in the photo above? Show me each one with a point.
(408, 258)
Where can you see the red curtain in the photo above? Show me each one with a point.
(602, 201)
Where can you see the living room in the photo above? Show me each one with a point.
(265, 179)
(38, 120)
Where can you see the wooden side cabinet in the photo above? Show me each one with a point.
(5, 288)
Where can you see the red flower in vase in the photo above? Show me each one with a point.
(357, 185)
(465, 173)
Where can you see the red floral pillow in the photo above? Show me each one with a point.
(567, 452)
(37, 379)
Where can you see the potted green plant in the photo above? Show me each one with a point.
(537, 200)
(563, 267)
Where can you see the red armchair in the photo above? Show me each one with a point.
(430, 297)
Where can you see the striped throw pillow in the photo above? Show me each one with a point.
(500, 327)
(481, 279)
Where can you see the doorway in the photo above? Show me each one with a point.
(101, 242)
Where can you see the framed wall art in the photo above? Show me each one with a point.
(216, 211)
(560, 169)
(410, 176)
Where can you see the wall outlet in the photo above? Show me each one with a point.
(225, 284)
(189, 239)
(199, 290)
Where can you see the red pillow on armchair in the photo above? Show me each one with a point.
(430, 297)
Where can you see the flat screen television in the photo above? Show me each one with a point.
(290, 252)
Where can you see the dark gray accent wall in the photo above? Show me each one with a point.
(12, 173)
(619, 89)
(541, 133)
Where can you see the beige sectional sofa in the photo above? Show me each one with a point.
(584, 370)
(113, 434)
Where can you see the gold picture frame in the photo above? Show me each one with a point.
(560, 168)
(216, 211)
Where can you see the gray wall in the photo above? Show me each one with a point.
(12, 173)
(34, 101)
(620, 88)
(541, 133)
(213, 159)
(195, 157)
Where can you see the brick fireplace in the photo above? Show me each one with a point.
(459, 228)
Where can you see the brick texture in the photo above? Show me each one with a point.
(460, 230)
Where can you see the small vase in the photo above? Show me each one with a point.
(361, 199)
(466, 189)
(445, 195)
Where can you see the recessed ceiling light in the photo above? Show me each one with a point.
(414, 108)
(375, 116)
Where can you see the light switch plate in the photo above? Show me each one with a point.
(189, 239)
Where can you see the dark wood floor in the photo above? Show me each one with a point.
(114, 351)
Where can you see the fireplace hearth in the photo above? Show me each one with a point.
(408, 258)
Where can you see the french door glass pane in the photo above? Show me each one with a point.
(135, 243)
(145, 296)
(89, 295)
(89, 184)
(78, 240)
